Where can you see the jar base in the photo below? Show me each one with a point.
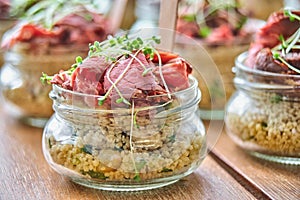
(34, 121)
(278, 159)
(122, 188)
(211, 114)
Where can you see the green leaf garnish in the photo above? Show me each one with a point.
(79, 59)
(166, 170)
(137, 177)
(204, 31)
(120, 100)
(45, 78)
(48, 12)
(171, 138)
(93, 174)
(115, 47)
(282, 40)
(101, 100)
(87, 149)
(276, 98)
(189, 18)
(291, 16)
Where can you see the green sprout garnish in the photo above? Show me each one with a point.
(166, 170)
(287, 45)
(276, 98)
(115, 47)
(189, 18)
(292, 16)
(137, 177)
(87, 149)
(49, 12)
(204, 31)
(45, 78)
(94, 174)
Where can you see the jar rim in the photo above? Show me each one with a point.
(249, 79)
(193, 81)
(187, 97)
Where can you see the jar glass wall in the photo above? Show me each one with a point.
(263, 115)
(125, 149)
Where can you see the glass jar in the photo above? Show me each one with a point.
(263, 115)
(26, 98)
(125, 149)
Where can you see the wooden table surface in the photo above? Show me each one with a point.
(226, 173)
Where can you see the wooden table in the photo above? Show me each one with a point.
(226, 173)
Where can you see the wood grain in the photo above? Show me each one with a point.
(276, 181)
(167, 23)
(26, 175)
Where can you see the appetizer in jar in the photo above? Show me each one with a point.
(125, 117)
(224, 31)
(263, 116)
(51, 35)
(10, 11)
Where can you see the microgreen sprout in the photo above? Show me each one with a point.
(49, 12)
(292, 16)
(45, 78)
(101, 100)
(115, 47)
(287, 45)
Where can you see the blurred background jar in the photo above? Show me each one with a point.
(262, 116)
(10, 11)
(47, 39)
(222, 29)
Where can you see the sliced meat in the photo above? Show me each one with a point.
(190, 29)
(87, 79)
(133, 80)
(268, 35)
(175, 73)
(88, 76)
(72, 29)
(222, 34)
(76, 26)
(265, 62)
(293, 58)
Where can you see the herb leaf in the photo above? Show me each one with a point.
(87, 149)
(93, 174)
(45, 78)
(166, 170)
(276, 98)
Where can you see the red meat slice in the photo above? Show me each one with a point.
(25, 33)
(133, 81)
(88, 76)
(190, 29)
(268, 36)
(221, 34)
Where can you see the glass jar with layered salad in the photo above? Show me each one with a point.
(45, 43)
(263, 115)
(125, 118)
